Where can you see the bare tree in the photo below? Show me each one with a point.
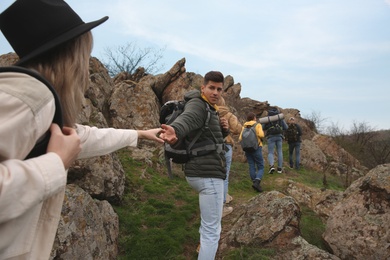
(334, 130)
(362, 132)
(379, 151)
(129, 57)
(317, 120)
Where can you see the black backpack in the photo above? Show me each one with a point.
(41, 145)
(291, 133)
(183, 150)
(273, 128)
(272, 111)
(249, 142)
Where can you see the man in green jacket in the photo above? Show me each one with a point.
(206, 172)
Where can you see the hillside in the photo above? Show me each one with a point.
(123, 205)
(168, 225)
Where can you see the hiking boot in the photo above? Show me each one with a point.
(228, 198)
(279, 170)
(271, 169)
(256, 185)
(226, 211)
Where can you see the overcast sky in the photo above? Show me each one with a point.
(331, 57)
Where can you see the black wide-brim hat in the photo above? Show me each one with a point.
(33, 27)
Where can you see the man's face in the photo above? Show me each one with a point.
(212, 91)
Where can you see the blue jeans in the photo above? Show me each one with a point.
(272, 142)
(255, 159)
(210, 203)
(297, 147)
(228, 155)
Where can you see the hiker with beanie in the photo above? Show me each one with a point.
(254, 157)
(234, 128)
(54, 46)
(293, 137)
(274, 135)
(206, 172)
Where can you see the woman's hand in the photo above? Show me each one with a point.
(65, 143)
(151, 134)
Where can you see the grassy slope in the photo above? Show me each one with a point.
(159, 217)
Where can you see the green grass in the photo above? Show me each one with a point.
(159, 217)
(312, 228)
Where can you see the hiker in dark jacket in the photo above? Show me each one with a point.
(294, 143)
(205, 173)
(274, 134)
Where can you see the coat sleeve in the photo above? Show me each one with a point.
(234, 124)
(24, 184)
(192, 118)
(260, 133)
(100, 141)
(240, 137)
(299, 129)
(284, 125)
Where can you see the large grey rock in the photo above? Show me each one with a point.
(270, 218)
(359, 226)
(322, 202)
(88, 228)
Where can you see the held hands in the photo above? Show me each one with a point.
(151, 134)
(65, 143)
(168, 134)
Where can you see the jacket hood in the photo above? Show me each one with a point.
(192, 94)
(250, 123)
(222, 110)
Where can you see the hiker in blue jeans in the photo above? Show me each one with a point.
(275, 140)
(205, 173)
(274, 134)
(255, 158)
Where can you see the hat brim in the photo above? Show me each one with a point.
(61, 39)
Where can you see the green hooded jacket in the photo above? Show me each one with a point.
(212, 164)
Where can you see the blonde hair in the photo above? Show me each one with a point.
(67, 69)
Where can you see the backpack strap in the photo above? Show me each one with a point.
(200, 131)
(211, 145)
(41, 145)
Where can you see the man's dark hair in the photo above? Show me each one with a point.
(250, 116)
(215, 76)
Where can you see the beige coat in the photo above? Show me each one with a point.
(234, 125)
(32, 191)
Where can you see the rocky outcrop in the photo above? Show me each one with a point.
(269, 220)
(359, 226)
(322, 154)
(275, 222)
(322, 202)
(82, 233)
